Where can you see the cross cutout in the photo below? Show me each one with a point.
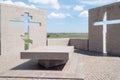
(105, 22)
(26, 23)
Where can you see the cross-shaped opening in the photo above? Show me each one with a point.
(105, 22)
(26, 23)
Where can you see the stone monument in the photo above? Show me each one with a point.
(21, 28)
(104, 29)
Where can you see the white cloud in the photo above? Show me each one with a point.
(84, 14)
(97, 2)
(18, 4)
(78, 8)
(58, 15)
(53, 3)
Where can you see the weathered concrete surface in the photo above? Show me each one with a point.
(38, 34)
(113, 34)
(11, 41)
(113, 40)
(58, 41)
(95, 32)
(49, 55)
(79, 43)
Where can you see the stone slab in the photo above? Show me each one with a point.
(49, 56)
(48, 52)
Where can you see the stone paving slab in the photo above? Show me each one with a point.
(101, 67)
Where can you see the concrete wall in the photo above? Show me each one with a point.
(0, 29)
(95, 32)
(113, 35)
(113, 44)
(11, 41)
(38, 34)
(58, 41)
(113, 30)
(79, 43)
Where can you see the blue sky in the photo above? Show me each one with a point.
(70, 16)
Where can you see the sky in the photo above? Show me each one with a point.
(63, 16)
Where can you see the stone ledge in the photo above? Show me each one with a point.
(49, 56)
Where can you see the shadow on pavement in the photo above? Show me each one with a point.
(33, 65)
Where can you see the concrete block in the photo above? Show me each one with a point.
(46, 55)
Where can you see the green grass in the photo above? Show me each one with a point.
(68, 35)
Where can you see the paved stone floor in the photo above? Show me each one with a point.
(94, 67)
(101, 68)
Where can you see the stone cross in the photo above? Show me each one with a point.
(105, 22)
(26, 23)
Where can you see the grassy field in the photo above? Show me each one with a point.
(68, 35)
